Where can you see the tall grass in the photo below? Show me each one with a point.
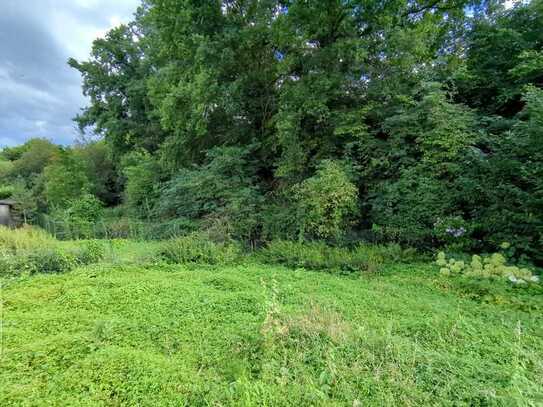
(32, 250)
(319, 256)
(25, 239)
(198, 248)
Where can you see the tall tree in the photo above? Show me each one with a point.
(115, 80)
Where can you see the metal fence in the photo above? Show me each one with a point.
(123, 228)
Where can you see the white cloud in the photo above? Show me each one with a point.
(39, 92)
(76, 33)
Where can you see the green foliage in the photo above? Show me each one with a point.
(406, 211)
(414, 122)
(6, 168)
(64, 181)
(128, 228)
(279, 217)
(248, 334)
(86, 208)
(52, 260)
(31, 159)
(114, 81)
(502, 57)
(25, 208)
(30, 250)
(492, 266)
(44, 177)
(6, 191)
(454, 233)
(221, 191)
(79, 217)
(14, 153)
(89, 252)
(48, 261)
(101, 171)
(142, 174)
(327, 202)
(419, 199)
(319, 256)
(198, 249)
(506, 186)
(24, 239)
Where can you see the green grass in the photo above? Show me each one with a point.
(120, 333)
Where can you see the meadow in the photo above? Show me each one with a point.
(129, 329)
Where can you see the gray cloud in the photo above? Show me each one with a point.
(39, 93)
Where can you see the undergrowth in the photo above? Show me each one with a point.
(319, 256)
(266, 335)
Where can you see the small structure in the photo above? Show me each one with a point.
(6, 209)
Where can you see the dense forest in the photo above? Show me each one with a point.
(417, 122)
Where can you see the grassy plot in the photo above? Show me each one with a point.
(113, 334)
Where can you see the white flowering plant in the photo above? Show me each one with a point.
(488, 266)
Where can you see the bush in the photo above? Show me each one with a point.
(491, 266)
(88, 252)
(142, 173)
(196, 248)
(222, 192)
(118, 228)
(294, 254)
(64, 180)
(327, 202)
(38, 261)
(79, 218)
(279, 220)
(9, 264)
(49, 261)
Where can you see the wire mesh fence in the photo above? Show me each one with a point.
(123, 228)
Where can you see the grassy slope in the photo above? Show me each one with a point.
(262, 335)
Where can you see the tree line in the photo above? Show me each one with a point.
(418, 122)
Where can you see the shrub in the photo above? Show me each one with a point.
(79, 218)
(49, 261)
(119, 228)
(88, 252)
(311, 255)
(64, 180)
(86, 208)
(196, 248)
(454, 233)
(491, 266)
(409, 210)
(9, 264)
(327, 202)
(221, 191)
(279, 220)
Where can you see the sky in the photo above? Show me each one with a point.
(39, 92)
